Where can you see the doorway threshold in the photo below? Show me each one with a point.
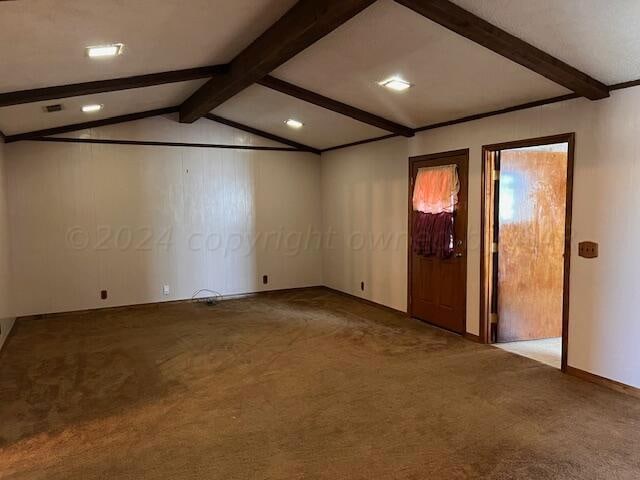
(546, 350)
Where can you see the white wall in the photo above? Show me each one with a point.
(364, 199)
(604, 327)
(357, 195)
(130, 219)
(6, 312)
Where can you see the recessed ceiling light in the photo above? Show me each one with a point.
(396, 83)
(105, 50)
(294, 123)
(91, 108)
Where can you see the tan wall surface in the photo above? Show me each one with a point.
(364, 195)
(604, 292)
(358, 196)
(6, 310)
(131, 219)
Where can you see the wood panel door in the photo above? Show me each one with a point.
(437, 289)
(531, 216)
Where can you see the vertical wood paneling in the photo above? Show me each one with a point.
(364, 196)
(603, 293)
(118, 193)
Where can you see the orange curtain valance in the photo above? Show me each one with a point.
(436, 189)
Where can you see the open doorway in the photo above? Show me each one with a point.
(527, 191)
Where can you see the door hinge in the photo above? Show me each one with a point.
(494, 318)
(496, 175)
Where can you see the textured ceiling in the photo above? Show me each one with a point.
(267, 110)
(44, 40)
(453, 76)
(29, 117)
(598, 37)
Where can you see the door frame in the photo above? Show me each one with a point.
(485, 324)
(433, 157)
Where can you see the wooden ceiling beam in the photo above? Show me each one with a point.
(104, 141)
(112, 85)
(335, 106)
(304, 24)
(39, 134)
(92, 124)
(260, 133)
(468, 118)
(470, 26)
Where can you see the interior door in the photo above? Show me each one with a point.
(438, 287)
(531, 211)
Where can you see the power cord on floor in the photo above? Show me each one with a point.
(209, 300)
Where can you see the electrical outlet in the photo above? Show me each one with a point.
(362, 286)
(588, 249)
(166, 290)
(103, 294)
(265, 279)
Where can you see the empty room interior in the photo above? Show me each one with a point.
(319, 239)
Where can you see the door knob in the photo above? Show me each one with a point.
(458, 255)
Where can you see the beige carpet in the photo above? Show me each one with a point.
(546, 350)
(306, 385)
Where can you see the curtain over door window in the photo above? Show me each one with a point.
(435, 196)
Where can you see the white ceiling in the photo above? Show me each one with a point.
(598, 37)
(453, 76)
(43, 41)
(30, 116)
(43, 45)
(267, 110)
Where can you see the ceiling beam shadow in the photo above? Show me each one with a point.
(470, 26)
(304, 24)
(112, 85)
(335, 106)
(261, 133)
(92, 124)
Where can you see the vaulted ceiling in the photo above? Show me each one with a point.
(336, 60)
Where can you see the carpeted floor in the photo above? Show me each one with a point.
(299, 385)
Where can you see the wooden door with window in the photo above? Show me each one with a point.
(437, 289)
